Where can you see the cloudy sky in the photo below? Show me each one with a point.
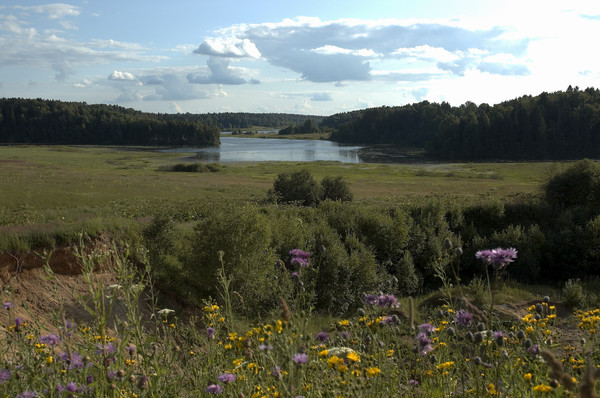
(309, 57)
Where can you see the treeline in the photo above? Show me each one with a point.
(38, 121)
(559, 125)
(240, 120)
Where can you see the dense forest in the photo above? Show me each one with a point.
(241, 120)
(559, 125)
(40, 121)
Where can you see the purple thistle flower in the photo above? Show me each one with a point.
(533, 350)
(300, 358)
(387, 300)
(89, 379)
(27, 394)
(50, 339)
(8, 305)
(498, 257)
(426, 328)
(322, 337)
(463, 318)
(4, 375)
(18, 323)
(214, 389)
(226, 377)
(295, 274)
(106, 348)
(302, 262)
(276, 372)
(71, 387)
(299, 253)
(263, 347)
(413, 382)
(371, 299)
(210, 332)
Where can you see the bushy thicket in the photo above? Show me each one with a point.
(359, 247)
(301, 187)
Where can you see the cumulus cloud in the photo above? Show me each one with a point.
(229, 47)
(119, 75)
(344, 50)
(220, 73)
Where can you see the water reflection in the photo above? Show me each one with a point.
(235, 149)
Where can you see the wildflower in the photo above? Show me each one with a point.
(370, 299)
(299, 257)
(214, 389)
(372, 372)
(295, 274)
(210, 332)
(226, 377)
(498, 257)
(18, 323)
(445, 365)
(165, 312)
(542, 388)
(424, 344)
(323, 353)
(322, 337)
(334, 361)
(463, 318)
(28, 394)
(387, 300)
(300, 358)
(8, 305)
(353, 356)
(345, 334)
(4, 375)
(413, 382)
(50, 339)
(71, 387)
(276, 372)
(426, 328)
(527, 376)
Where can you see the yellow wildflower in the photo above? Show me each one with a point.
(323, 353)
(542, 388)
(372, 372)
(527, 376)
(352, 356)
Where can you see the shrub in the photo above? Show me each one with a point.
(577, 185)
(573, 293)
(335, 188)
(299, 187)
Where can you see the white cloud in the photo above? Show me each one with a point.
(85, 83)
(230, 47)
(220, 73)
(53, 11)
(321, 97)
(119, 75)
(343, 50)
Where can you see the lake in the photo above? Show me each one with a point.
(236, 149)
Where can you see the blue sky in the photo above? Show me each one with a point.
(308, 57)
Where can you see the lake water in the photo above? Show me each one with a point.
(235, 149)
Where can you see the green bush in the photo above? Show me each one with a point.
(244, 236)
(336, 189)
(578, 185)
(297, 187)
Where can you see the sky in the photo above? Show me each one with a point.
(314, 57)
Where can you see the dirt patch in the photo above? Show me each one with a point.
(38, 298)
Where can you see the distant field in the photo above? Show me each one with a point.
(41, 179)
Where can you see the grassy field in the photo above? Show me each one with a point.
(62, 177)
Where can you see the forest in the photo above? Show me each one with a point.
(558, 125)
(37, 121)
